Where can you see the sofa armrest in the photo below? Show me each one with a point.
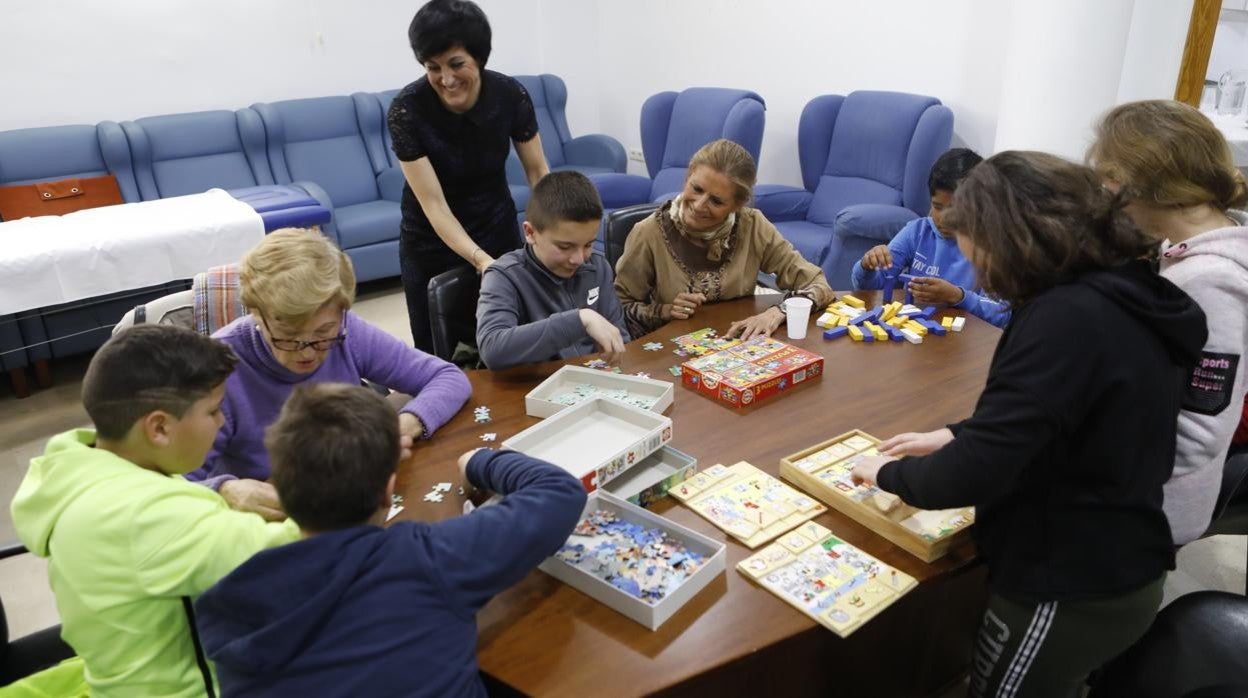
(316, 192)
(871, 221)
(390, 183)
(618, 190)
(779, 202)
(596, 150)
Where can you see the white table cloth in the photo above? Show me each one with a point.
(57, 259)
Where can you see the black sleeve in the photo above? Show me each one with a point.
(524, 120)
(404, 126)
(1041, 385)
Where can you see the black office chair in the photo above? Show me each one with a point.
(1196, 646)
(35, 652)
(1230, 515)
(453, 309)
(617, 225)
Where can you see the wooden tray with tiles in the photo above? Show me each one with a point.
(824, 470)
(836, 584)
(745, 502)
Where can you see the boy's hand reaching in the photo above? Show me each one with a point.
(878, 257)
(930, 289)
(606, 335)
(253, 496)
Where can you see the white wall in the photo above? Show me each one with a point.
(82, 61)
(79, 61)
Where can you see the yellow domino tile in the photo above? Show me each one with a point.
(855, 333)
(890, 310)
(947, 323)
(842, 322)
(851, 300)
(916, 328)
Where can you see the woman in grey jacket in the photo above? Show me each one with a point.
(1173, 171)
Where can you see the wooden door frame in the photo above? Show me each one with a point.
(1200, 30)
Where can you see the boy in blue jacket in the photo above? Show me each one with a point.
(355, 609)
(922, 249)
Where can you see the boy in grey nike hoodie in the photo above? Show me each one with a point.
(1174, 170)
(555, 297)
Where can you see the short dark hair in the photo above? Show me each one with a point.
(1040, 221)
(951, 168)
(146, 368)
(331, 450)
(440, 25)
(563, 196)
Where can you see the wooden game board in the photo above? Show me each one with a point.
(824, 470)
(836, 584)
(745, 502)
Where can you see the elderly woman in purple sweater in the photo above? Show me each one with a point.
(298, 289)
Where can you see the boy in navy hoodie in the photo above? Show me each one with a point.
(355, 609)
(925, 250)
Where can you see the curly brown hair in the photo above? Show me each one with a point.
(1037, 221)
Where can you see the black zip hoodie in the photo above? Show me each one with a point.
(1072, 439)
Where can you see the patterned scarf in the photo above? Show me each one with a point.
(715, 239)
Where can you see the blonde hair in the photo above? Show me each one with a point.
(730, 160)
(293, 273)
(1168, 154)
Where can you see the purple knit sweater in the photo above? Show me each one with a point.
(259, 386)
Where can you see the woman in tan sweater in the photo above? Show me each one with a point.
(706, 245)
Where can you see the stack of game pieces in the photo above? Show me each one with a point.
(893, 321)
(644, 563)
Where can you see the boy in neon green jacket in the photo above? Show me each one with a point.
(131, 543)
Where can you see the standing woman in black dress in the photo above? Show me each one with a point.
(452, 130)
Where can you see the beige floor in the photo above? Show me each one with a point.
(1213, 563)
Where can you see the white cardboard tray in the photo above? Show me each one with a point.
(653, 476)
(652, 616)
(538, 404)
(596, 440)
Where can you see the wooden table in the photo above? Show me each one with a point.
(544, 638)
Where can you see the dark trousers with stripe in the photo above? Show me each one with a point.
(1048, 649)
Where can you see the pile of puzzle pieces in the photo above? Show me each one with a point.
(895, 321)
(644, 563)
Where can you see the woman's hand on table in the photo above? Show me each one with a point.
(253, 496)
(868, 469)
(606, 335)
(683, 306)
(916, 444)
(761, 325)
(410, 429)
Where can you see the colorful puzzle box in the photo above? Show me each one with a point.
(747, 372)
(836, 584)
(745, 502)
(825, 470)
(638, 563)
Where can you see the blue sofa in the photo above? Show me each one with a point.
(865, 158)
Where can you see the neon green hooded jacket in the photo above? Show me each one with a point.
(126, 546)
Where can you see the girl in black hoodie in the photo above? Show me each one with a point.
(1074, 434)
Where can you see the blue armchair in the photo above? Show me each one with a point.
(864, 159)
(673, 126)
(331, 147)
(589, 154)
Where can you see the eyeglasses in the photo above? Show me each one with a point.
(294, 345)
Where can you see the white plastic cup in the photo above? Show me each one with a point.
(797, 315)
